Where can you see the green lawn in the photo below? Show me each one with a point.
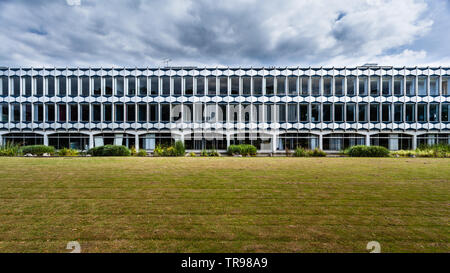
(224, 204)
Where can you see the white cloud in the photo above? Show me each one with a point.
(247, 32)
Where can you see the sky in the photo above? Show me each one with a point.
(285, 33)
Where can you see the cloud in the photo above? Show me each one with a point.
(215, 33)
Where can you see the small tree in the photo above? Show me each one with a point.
(179, 148)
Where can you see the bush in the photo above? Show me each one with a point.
(133, 151)
(300, 152)
(179, 148)
(38, 150)
(67, 152)
(204, 153)
(192, 154)
(213, 153)
(10, 149)
(367, 151)
(142, 153)
(317, 153)
(242, 149)
(110, 150)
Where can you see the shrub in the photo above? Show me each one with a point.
(300, 152)
(367, 151)
(10, 149)
(316, 153)
(110, 150)
(242, 149)
(38, 150)
(142, 153)
(204, 153)
(192, 154)
(158, 151)
(67, 152)
(133, 151)
(234, 149)
(213, 153)
(179, 148)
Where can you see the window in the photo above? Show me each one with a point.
(269, 85)
(339, 112)
(73, 112)
(26, 112)
(235, 85)
(386, 112)
(84, 112)
(188, 85)
(363, 85)
(108, 86)
(421, 112)
(4, 112)
(304, 84)
(27, 86)
(445, 86)
(62, 113)
(142, 86)
(200, 86)
(5, 85)
(211, 86)
(362, 112)
(131, 113)
(142, 112)
(40, 85)
(97, 86)
(165, 86)
(16, 86)
(50, 86)
(387, 86)
(281, 85)
(131, 86)
(292, 85)
(74, 86)
(292, 112)
(223, 86)
(62, 86)
(107, 112)
(327, 86)
(85, 86)
(422, 85)
(304, 115)
(153, 112)
(374, 112)
(38, 113)
(374, 85)
(339, 86)
(198, 112)
(410, 115)
(398, 112)
(177, 85)
(434, 112)
(50, 113)
(119, 112)
(165, 112)
(398, 86)
(351, 112)
(154, 86)
(281, 112)
(96, 112)
(315, 112)
(327, 112)
(222, 112)
(315, 86)
(351, 86)
(434, 86)
(445, 110)
(119, 86)
(410, 86)
(269, 112)
(188, 112)
(257, 85)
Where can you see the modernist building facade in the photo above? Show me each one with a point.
(210, 108)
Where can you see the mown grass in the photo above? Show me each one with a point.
(224, 204)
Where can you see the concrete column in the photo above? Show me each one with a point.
(414, 142)
(1, 140)
(91, 141)
(321, 142)
(274, 143)
(367, 140)
(228, 140)
(136, 140)
(45, 139)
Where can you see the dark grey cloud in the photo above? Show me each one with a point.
(201, 32)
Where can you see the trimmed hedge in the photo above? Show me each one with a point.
(110, 150)
(367, 151)
(242, 149)
(38, 150)
(300, 152)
